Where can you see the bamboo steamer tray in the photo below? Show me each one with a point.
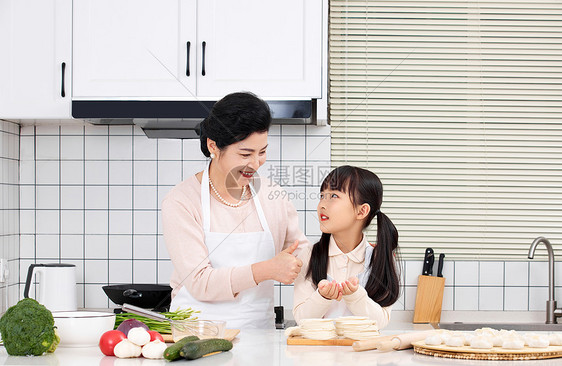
(496, 353)
(301, 341)
(229, 334)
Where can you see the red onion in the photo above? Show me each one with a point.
(129, 324)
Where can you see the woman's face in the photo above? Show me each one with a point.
(239, 161)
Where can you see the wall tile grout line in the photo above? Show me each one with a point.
(132, 182)
(84, 215)
(35, 194)
(60, 195)
(528, 286)
(108, 273)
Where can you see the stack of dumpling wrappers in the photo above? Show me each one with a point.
(353, 327)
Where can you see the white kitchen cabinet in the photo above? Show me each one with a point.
(189, 49)
(132, 49)
(270, 47)
(35, 66)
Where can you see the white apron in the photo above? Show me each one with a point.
(339, 308)
(253, 307)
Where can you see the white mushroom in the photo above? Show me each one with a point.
(154, 349)
(127, 349)
(138, 336)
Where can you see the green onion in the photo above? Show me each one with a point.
(162, 327)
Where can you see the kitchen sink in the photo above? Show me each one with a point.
(531, 327)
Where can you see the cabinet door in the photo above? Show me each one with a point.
(35, 39)
(270, 47)
(134, 49)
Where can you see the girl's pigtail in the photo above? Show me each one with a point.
(318, 265)
(383, 285)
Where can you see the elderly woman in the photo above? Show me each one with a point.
(229, 233)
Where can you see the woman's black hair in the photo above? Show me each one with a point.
(363, 186)
(232, 119)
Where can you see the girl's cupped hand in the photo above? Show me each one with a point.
(330, 290)
(350, 285)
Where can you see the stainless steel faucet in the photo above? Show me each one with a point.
(552, 313)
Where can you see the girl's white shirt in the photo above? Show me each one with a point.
(308, 303)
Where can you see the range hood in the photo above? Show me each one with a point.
(179, 119)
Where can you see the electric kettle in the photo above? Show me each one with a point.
(56, 285)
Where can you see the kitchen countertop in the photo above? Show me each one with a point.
(267, 347)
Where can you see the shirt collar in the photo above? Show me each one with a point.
(357, 255)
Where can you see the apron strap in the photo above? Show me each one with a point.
(259, 209)
(206, 203)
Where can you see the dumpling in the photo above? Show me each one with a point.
(538, 341)
(513, 343)
(555, 339)
(481, 342)
(433, 340)
(455, 341)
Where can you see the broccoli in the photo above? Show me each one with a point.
(28, 328)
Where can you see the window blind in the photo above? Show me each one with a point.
(457, 107)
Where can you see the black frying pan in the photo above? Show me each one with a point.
(146, 296)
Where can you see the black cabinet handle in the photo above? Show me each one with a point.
(62, 93)
(204, 44)
(187, 67)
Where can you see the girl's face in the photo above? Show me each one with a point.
(335, 211)
(239, 161)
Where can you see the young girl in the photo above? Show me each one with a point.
(343, 274)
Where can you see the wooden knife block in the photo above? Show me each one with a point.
(429, 299)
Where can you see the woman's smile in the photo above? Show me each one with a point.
(247, 174)
(323, 217)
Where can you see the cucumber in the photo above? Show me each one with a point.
(200, 348)
(173, 352)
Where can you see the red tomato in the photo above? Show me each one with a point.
(109, 340)
(154, 335)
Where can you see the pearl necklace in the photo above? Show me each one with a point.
(225, 201)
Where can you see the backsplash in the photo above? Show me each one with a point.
(500, 286)
(9, 221)
(90, 195)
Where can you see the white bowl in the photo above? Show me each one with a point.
(82, 328)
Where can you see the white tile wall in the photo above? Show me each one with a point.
(516, 298)
(92, 194)
(9, 210)
(466, 298)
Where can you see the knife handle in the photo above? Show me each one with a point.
(430, 266)
(427, 262)
(440, 265)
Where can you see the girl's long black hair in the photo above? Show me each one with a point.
(363, 186)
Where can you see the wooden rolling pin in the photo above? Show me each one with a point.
(393, 342)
